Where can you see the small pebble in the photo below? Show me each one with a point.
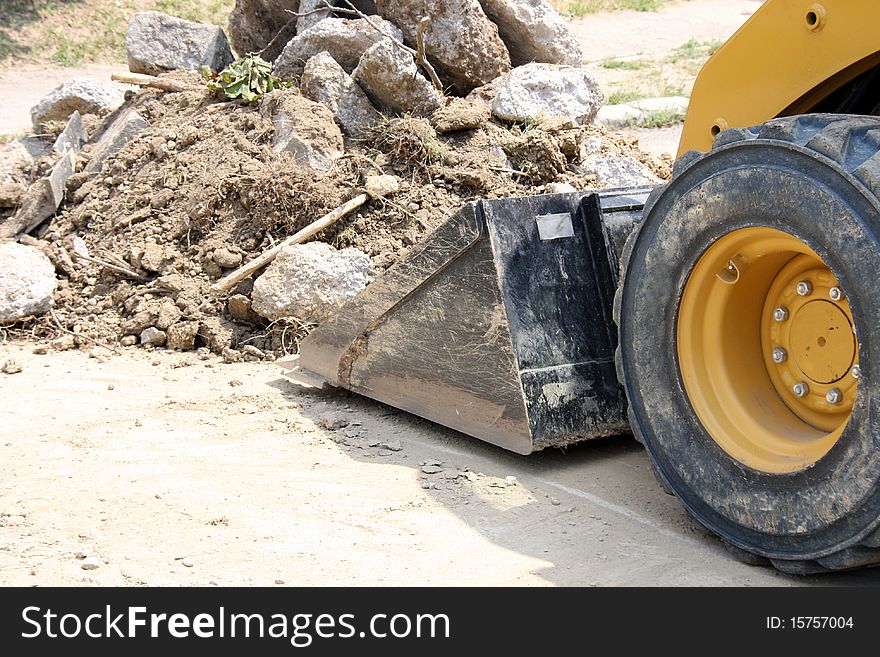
(90, 563)
(188, 562)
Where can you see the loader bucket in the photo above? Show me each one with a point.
(497, 325)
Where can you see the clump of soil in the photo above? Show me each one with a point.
(201, 191)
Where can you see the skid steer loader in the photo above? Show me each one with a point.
(726, 318)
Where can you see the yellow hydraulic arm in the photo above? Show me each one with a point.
(790, 56)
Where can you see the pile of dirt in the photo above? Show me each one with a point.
(201, 190)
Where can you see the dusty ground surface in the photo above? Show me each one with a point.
(150, 460)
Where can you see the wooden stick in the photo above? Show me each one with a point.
(233, 278)
(121, 270)
(148, 81)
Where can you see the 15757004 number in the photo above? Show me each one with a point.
(810, 623)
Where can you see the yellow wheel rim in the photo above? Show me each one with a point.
(768, 350)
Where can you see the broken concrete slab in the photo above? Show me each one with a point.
(73, 137)
(326, 82)
(157, 42)
(537, 91)
(390, 77)
(533, 31)
(41, 200)
(27, 282)
(310, 281)
(18, 159)
(83, 94)
(345, 40)
(304, 129)
(460, 40)
(124, 128)
(254, 23)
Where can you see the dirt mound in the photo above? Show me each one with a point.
(201, 191)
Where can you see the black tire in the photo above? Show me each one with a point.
(816, 177)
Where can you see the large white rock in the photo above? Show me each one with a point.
(392, 80)
(27, 282)
(533, 91)
(345, 40)
(310, 281)
(83, 95)
(326, 82)
(460, 40)
(157, 42)
(534, 32)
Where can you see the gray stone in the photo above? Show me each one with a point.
(254, 23)
(41, 200)
(125, 127)
(157, 258)
(534, 32)
(85, 95)
(304, 129)
(90, 563)
(182, 336)
(390, 77)
(314, 14)
(617, 171)
(18, 159)
(169, 314)
(153, 336)
(27, 282)
(310, 281)
(332, 421)
(345, 40)
(326, 82)
(157, 42)
(227, 259)
(615, 117)
(460, 41)
(379, 187)
(538, 91)
(73, 137)
(216, 333)
(239, 308)
(11, 366)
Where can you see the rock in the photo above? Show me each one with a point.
(325, 81)
(239, 307)
(460, 41)
(169, 314)
(332, 421)
(227, 259)
(314, 14)
(11, 366)
(461, 114)
(153, 336)
(379, 187)
(390, 77)
(510, 481)
(156, 258)
(27, 282)
(125, 127)
(65, 342)
(157, 42)
(250, 352)
(432, 469)
(617, 171)
(615, 117)
(310, 281)
(304, 129)
(559, 188)
(182, 336)
(554, 501)
(345, 40)
(11, 194)
(533, 31)
(139, 322)
(90, 563)
(73, 137)
(188, 562)
(18, 159)
(128, 340)
(392, 445)
(231, 355)
(254, 23)
(83, 95)
(546, 90)
(216, 333)
(41, 200)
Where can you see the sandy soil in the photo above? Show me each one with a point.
(148, 461)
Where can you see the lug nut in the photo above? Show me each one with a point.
(801, 390)
(804, 288)
(835, 293)
(834, 396)
(780, 314)
(779, 355)
(857, 372)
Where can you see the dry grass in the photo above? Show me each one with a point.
(78, 32)
(411, 140)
